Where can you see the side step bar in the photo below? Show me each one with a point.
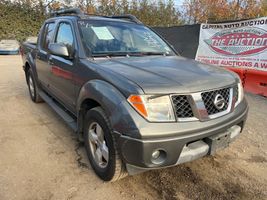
(60, 111)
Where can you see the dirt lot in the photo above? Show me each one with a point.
(40, 157)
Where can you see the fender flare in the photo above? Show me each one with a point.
(30, 62)
(105, 94)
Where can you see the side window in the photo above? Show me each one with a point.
(47, 35)
(65, 36)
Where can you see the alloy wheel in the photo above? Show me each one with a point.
(98, 145)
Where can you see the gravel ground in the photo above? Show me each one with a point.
(40, 157)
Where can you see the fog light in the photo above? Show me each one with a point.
(158, 157)
(235, 130)
(155, 154)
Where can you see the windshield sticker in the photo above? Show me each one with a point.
(81, 23)
(102, 33)
(167, 50)
(84, 24)
(151, 41)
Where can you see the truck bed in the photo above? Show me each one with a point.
(27, 48)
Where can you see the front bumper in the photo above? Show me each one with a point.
(185, 146)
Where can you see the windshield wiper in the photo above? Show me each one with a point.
(148, 54)
(128, 54)
(110, 54)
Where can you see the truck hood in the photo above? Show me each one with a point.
(168, 74)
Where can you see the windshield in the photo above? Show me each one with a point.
(109, 38)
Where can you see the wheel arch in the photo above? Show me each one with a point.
(30, 64)
(97, 93)
(86, 104)
(27, 67)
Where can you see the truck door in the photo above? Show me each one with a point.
(43, 69)
(62, 68)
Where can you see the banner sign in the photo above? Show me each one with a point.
(237, 44)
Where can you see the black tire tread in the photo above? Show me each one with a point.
(37, 98)
(120, 170)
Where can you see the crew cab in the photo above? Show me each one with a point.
(135, 103)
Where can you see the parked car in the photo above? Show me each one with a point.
(136, 104)
(31, 40)
(9, 47)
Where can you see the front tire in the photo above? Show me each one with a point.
(101, 147)
(33, 88)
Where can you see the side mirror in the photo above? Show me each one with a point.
(58, 49)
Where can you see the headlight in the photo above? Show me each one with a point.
(154, 108)
(240, 93)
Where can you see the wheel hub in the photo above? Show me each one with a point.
(31, 86)
(98, 145)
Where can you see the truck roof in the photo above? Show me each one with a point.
(75, 13)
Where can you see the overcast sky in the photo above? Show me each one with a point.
(178, 2)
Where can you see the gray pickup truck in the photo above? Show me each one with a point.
(135, 103)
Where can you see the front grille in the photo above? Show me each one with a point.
(208, 99)
(182, 107)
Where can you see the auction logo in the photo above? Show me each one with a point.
(238, 42)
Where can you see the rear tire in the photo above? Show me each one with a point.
(101, 146)
(33, 87)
